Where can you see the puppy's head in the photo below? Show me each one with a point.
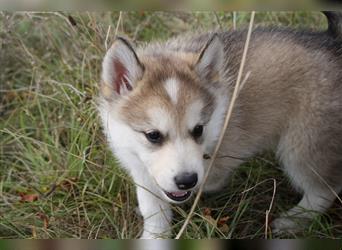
(162, 112)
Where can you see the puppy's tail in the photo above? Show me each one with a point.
(334, 23)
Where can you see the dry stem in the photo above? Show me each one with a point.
(228, 115)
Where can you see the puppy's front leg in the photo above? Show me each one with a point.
(156, 213)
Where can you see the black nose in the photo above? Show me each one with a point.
(186, 180)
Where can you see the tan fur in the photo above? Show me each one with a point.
(150, 92)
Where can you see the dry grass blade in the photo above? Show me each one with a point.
(219, 24)
(270, 207)
(271, 203)
(234, 20)
(228, 115)
(107, 36)
(326, 184)
(118, 24)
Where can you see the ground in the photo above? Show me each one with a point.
(58, 178)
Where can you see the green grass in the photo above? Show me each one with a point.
(52, 146)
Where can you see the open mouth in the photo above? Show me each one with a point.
(178, 196)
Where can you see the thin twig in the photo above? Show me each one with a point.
(107, 36)
(270, 207)
(218, 20)
(118, 23)
(234, 20)
(327, 184)
(272, 200)
(245, 80)
(256, 185)
(63, 17)
(228, 115)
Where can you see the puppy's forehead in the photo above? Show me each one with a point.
(172, 87)
(165, 96)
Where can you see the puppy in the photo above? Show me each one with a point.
(163, 105)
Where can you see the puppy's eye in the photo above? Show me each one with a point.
(197, 131)
(154, 136)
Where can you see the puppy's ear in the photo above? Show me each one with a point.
(210, 60)
(121, 69)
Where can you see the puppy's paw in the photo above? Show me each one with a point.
(285, 225)
(148, 236)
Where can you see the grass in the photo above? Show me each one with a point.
(58, 178)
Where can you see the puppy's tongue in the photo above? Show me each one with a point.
(178, 194)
